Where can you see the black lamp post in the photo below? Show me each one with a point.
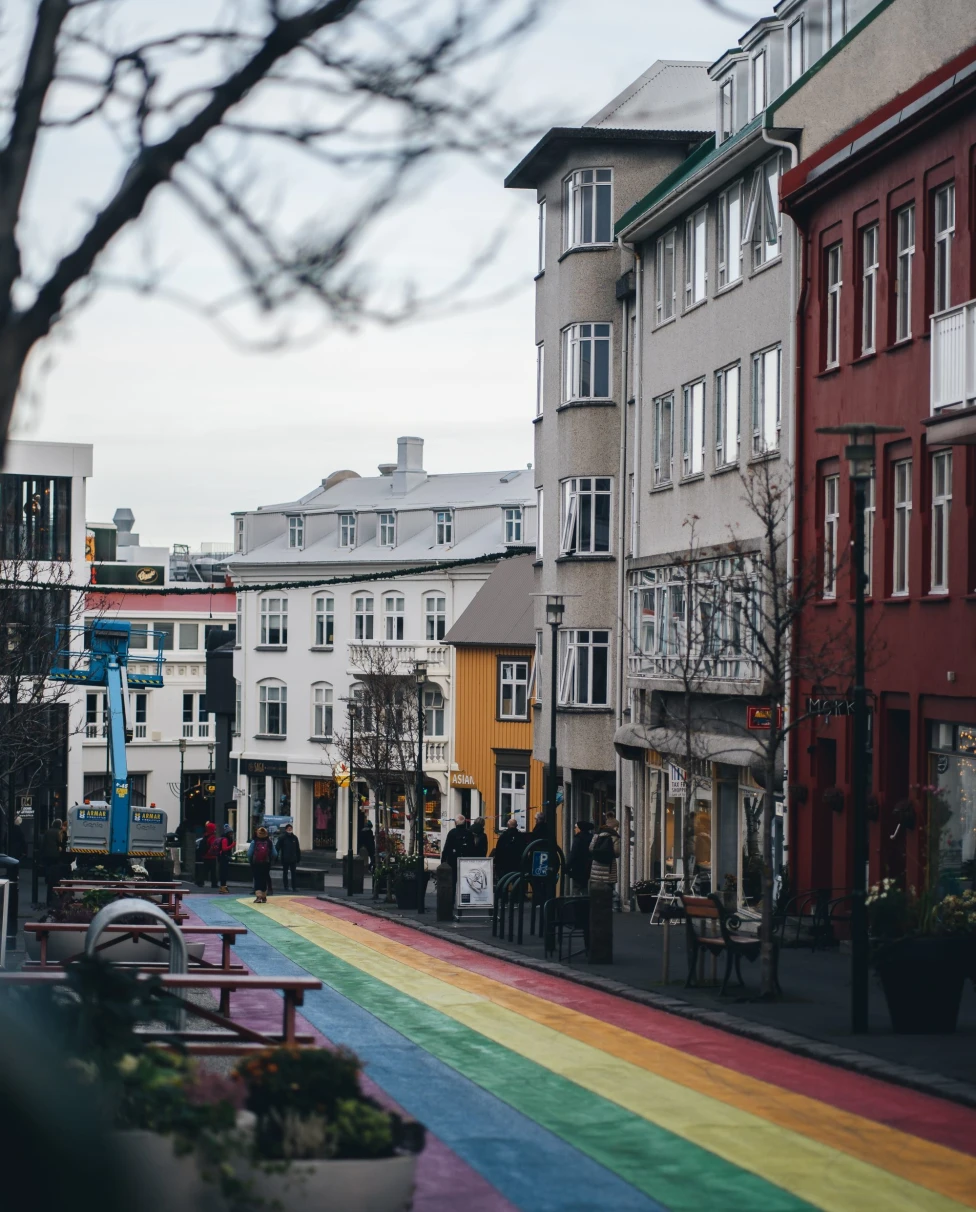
(860, 455)
(420, 673)
(352, 710)
(554, 614)
(187, 849)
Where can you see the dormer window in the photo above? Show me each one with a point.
(759, 83)
(443, 527)
(513, 525)
(347, 530)
(387, 530)
(726, 109)
(239, 536)
(296, 532)
(588, 207)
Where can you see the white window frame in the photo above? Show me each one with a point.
(296, 531)
(577, 649)
(272, 694)
(347, 530)
(513, 525)
(729, 236)
(728, 385)
(904, 223)
(693, 429)
(239, 536)
(139, 706)
(836, 21)
(665, 277)
(513, 794)
(363, 615)
(323, 619)
(759, 83)
(274, 618)
(943, 227)
(394, 616)
(443, 527)
(239, 607)
(540, 376)
(587, 192)
(542, 238)
(433, 711)
(584, 346)
(663, 446)
(831, 486)
(726, 109)
(796, 52)
(513, 688)
(386, 529)
(941, 510)
(238, 707)
(323, 721)
(539, 499)
(870, 514)
(766, 415)
(833, 262)
(696, 265)
(870, 265)
(435, 617)
(902, 528)
(764, 221)
(579, 500)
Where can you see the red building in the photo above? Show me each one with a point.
(887, 333)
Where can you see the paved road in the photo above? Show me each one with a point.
(542, 1095)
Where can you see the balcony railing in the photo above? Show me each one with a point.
(729, 668)
(954, 357)
(140, 732)
(435, 753)
(437, 656)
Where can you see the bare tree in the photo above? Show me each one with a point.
(278, 131)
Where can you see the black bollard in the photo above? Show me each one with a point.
(601, 923)
(444, 879)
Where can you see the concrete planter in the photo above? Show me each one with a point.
(160, 1179)
(377, 1185)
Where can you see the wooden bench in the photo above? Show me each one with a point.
(232, 1038)
(168, 896)
(709, 932)
(151, 933)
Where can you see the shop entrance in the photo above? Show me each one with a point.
(323, 814)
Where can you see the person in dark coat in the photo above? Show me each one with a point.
(51, 852)
(367, 843)
(458, 844)
(290, 855)
(508, 849)
(539, 828)
(479, 839)
(578, 864)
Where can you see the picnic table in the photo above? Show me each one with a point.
(136, 932)
(231, 1038)
(170, 895)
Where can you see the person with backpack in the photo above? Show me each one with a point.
(210, 846)
(223, 861)
(259, 855)
(289, 855)
(580, 861)
(604, 852)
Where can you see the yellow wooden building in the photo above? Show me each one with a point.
(496, 776)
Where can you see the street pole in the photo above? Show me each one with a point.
(421, 676)
(554, 613)
(353, 711)
(187, 850)
(859, 916)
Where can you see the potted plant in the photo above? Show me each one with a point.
(644, 893)
(405, 878)
(921, 952)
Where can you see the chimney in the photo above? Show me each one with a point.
(124, 520)
(409, 473)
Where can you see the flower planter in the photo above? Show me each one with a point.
(378, 1185)
(160, 1179)
(405, 889)
(922, 979)
(66, 945)
(646, 902)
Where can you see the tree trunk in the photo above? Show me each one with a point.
(766, 958)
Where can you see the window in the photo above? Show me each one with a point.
(869, 289)
(195, 715)
(512, 791)
(762, 225)
(586, 362)
(443, 527)
(542, 236)
(347, 530)
(239, 632)
(730, 235)
(272, 709)
(870, 511)
(837, 14)
(834, 283)
(535, 686)
(274, 621)
(941, 503)
(944, 227)
(727, 416)
(322, 711)
(363, 617)
(140, 715)
(904, 259)
(164, 636)
(296, 532)
(35, 517)
(831, 523)
(584, 668)
(540, 375)
(393, 607)
(387, 530)
(190, 636)
(237, 708)
(727, 109)
(324, 619)
(585, 522)
(693, 429)
(139, 635)
(695, 277)
(664, 288)
(95, 722)
(759, 83)
(239, 535)
(513, 525)
(435, 616)
(433, 711)
(513, 690)
(796, 55)
(663, 439)
(588, 207)
(765, 401)
(902, 529)
(538, 523)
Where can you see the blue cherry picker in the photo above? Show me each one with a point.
(112, 826)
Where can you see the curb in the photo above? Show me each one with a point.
(920, 1080)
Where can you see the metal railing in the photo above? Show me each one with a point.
(721, 668)
(953, 370)
(437, 656)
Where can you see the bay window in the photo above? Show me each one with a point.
(584, 668)
(586, 362)
(588, 207)
(585, 515)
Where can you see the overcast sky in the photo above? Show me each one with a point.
(187, 429)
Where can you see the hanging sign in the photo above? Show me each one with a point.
(340, 772)
(676, 779)
(759, 716)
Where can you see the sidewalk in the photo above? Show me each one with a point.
(812, 1018)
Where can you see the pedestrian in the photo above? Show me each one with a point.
(508, 849)
(580, 859)
(16, 841)
(604, 852)
(223, 861)
(367, 843)
(259, 855)
(210, 847)
(479, 839)
(51, 850)
(539, 828)
(289, 855)
(457, 844)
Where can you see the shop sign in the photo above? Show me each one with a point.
(676, 779)
(759, 716)
(460, 778)
(830, 706)
(127, 574)
(475, 883)
(259, 766)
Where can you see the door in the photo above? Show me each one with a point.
(821, 841)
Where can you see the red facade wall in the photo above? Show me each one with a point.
(922, 646)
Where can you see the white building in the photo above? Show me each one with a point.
(295, 663)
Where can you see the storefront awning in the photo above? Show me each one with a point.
(709, 746)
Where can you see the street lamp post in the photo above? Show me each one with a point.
(860, 454)
(352, 710)
(187, 851)
(554, 614)
(420, 673)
